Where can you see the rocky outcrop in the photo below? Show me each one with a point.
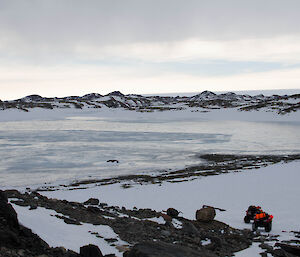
(90, 251)
(172, 212)
(19, 241)
(159, 249)
(138, 226)
(7, 213)
(92, 201)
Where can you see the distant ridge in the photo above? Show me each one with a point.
(238, 92)
(204, 101)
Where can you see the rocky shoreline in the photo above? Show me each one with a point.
(212, 165)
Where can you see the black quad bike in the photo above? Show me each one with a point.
(251, 212)
(265, 222)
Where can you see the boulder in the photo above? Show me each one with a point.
(166, 217)
(92, 201)
(90, 251)
(7, 212)
(206, 214)
(172, 212)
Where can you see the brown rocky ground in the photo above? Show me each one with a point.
(145, 237)
(134, 227)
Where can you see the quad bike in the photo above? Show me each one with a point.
(251, 212)
(265, 222)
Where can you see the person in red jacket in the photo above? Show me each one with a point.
(261, 215)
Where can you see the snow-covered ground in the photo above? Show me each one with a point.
(121, 114)
(55, 232)
(275, 188)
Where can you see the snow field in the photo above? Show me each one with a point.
(57, 233)
(275, 188)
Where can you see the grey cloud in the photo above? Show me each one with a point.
(65, 23)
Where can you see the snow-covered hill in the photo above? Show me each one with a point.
(201, 102)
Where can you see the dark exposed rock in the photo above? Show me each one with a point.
(166, 217)
(91, 96)
(115, 93)
(32, 98)
(68, 220)
(159, 249)
(266, 246)
(8, 213)
(90, 251)
(190, 229)
(93, 209)
(19, 241)
(92, 201)
(172, 212)
(137, 226)
(292, 249)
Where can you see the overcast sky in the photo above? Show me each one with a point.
(72, 47)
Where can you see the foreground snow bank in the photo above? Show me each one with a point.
(57, 233)
(275, 188)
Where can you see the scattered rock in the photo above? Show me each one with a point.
(137, 226)
(19, 241)
(172, 212)
(205, 214)
(92, 201)
(166, 217)
(93, 209)
(90, 251)
(111, 240)
(33, 206)
(293, 249)
(157, 249)
(190, 229)
(7, 212)
(68, 220)
(266, 247)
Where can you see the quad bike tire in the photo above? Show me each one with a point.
(247, 219)
(254, 226)
(268, 227)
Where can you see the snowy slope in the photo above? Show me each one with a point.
(275, 188)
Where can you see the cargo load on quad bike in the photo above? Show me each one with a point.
(251, 212)
(262, 219)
